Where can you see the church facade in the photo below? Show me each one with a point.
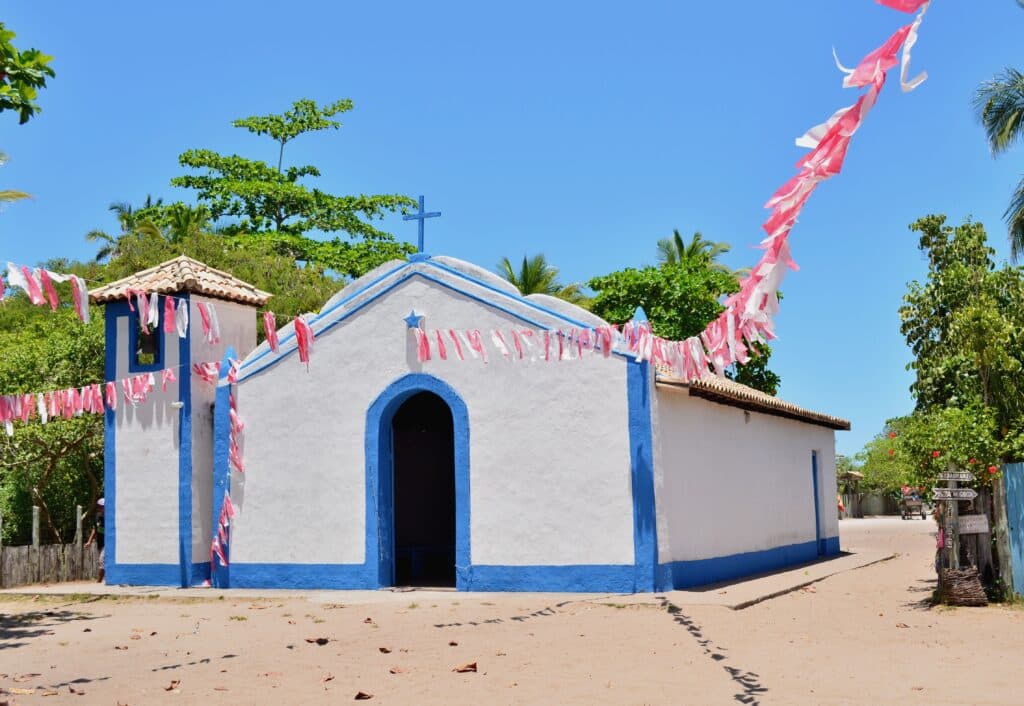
(369, 468)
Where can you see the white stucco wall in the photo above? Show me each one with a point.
(549, 447)
(238, 329)
(146, 466)
(729, 482)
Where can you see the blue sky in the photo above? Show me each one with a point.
(583, 130)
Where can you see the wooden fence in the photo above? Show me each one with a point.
(48, 563)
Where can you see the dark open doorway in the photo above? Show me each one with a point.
(424, 492)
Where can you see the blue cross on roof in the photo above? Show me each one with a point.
(421, 216)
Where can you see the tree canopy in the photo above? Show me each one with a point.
(22, 74)
(680, 299)
(275, 205)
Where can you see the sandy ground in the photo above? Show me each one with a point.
(860, 636)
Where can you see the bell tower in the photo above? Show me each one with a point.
(158, 452)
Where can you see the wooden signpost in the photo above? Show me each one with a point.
(954, 493)
(974, 524)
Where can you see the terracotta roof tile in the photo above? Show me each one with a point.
(182, 274)
(726, 391)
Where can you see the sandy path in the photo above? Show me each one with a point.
(839, 642)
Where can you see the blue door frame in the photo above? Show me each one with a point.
(818, 542)
(380, 516)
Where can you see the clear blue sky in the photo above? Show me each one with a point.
(583, 130)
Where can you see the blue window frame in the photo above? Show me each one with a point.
(145, 351)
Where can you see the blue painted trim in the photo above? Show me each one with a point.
(508, 295)
(113, 311)
(831, 546)
(404, 278)
(133, 344)
(405, 265)
(220, 576)
(380, 475)
(306, 576)
(187, 577)
(641, 445)
(817, 504)
(698, 572)
(322, 314)
(580, 578)
(144, 574)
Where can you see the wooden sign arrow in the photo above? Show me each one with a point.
(961, 476)
(954, 493)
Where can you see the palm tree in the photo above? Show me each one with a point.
(674, 250)
(536, 276)
(8, 195)
(999, 103)
(132, 221)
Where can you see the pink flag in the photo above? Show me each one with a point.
(442, 351)
(455, 342)
(111, 390)
(169, 314)
(422, 345)
(167, 375)
(304, 338)
(80, 297)
(270, 330)
(51, 293)
(908, 6)
(32, 287)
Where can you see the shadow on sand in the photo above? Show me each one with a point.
(749, 683)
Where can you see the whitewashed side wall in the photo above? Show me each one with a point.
(729, 482)
(549, 446)
(146, 465)
(238, 329)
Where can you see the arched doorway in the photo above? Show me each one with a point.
(423, 453)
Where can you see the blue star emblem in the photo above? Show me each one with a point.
(413, 320)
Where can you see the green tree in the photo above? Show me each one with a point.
(536, 276)
(964, 324)
(999, 103)
(58, 465)
(22, 74)
(680, 299)
(275, 205)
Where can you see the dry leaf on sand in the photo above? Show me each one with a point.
(468, 667)
(398, 670)
(317, 640)
(384, 650)
(173, 686)
(363, 696)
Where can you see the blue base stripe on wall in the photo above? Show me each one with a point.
(346, 576)
(580, 578)
(698, 572)
(584, 578)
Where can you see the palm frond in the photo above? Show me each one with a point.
(1015, 220)
(10, 195)
(999, 104)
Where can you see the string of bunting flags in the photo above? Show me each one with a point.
(747, 318)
